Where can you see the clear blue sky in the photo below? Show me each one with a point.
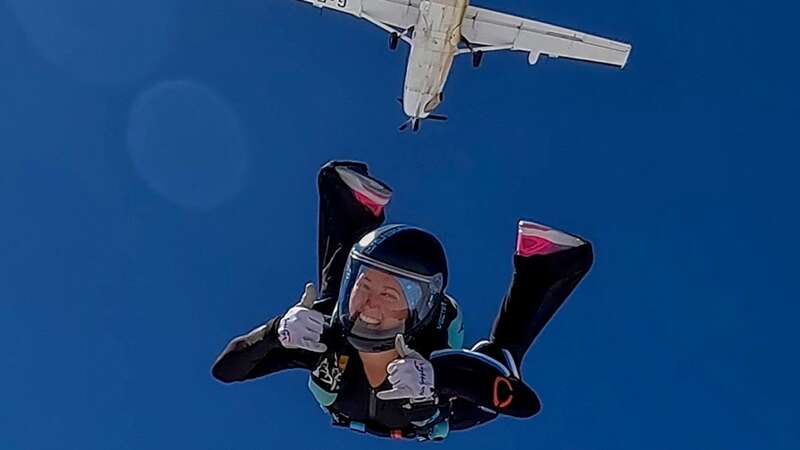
(157, 184)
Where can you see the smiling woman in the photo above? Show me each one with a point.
(382, 341)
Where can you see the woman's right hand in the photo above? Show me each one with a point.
(301, 327)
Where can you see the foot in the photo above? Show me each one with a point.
(536, 239)
(476, 376)
(368, 191)
(501, 355)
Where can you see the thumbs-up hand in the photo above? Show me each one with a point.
(301, 326)
(411, 375)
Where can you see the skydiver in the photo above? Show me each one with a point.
(383, 340)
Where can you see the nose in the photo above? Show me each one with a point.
(372, 301)
(412, 103)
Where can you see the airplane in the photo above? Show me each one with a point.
(436, 30)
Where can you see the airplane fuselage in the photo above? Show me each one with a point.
(434, 44)
(436, 28)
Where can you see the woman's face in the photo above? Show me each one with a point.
(377, 299)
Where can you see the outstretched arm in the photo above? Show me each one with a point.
(259, 353)
(285, 342)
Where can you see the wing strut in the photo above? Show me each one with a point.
(485, 48)
(385, 27)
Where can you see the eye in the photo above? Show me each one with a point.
(392, 297)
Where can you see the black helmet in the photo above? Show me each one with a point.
(393, 282)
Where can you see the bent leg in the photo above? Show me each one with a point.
(351, 203)
(548, 265)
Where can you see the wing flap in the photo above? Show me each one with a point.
(492, 28)
(397, 13)
(400, 14)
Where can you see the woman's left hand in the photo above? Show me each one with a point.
(411, 375)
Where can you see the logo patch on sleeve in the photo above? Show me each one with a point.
(328, 373)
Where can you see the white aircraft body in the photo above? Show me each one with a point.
(435, 29)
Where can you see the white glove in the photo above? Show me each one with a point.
(411, 375)
(301, 326)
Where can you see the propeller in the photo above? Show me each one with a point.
(405, 125)
(415, 122)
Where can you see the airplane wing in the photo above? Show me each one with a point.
(499, 31)
(390, 15)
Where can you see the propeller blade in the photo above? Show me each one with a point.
(437, 117)
(405, 125)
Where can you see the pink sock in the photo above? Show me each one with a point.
(534, 245)
(364, 200)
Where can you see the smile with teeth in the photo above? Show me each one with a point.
(369, 320)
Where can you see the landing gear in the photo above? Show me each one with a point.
(477, 57)
(394, 38)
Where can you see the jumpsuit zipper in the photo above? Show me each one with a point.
(372, 406)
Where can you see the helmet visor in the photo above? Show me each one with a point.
(376, 304)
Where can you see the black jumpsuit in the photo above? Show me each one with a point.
(540, 284)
